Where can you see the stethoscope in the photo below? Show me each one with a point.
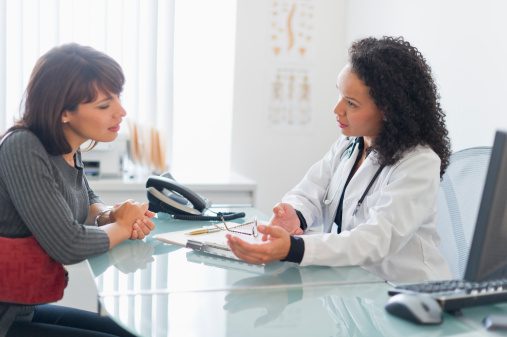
(349, 150)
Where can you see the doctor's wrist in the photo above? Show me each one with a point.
(302, 221)
(296, 250)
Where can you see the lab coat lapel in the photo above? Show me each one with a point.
(338, 182)
(357, 186)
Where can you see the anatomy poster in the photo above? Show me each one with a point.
(291, 44)
(292, 25)
(290, 97)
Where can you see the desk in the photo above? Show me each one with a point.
(154, 289)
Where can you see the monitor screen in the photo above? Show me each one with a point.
(487, 259)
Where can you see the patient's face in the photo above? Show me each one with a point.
(98, 120)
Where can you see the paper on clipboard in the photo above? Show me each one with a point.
(214, 243)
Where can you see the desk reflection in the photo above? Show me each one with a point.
(344, 310)
(158, 290)
(289, 290)
(155, 288)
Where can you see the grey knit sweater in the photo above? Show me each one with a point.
(42, 195)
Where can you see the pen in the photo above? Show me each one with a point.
(202, 231)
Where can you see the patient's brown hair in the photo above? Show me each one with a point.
(63, 78)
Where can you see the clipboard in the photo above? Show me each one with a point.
(214, 241)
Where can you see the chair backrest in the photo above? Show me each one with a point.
(459, 198)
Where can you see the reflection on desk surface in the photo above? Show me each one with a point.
(131, 272)
(229, 264)
(128, 257)
(165, 290)
(344, 310)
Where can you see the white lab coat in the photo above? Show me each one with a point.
(393, 234)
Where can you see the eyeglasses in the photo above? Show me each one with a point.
(233, 229)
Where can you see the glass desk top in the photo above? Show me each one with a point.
(154, 289)
(345, 310)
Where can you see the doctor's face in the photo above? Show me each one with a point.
(356, 113)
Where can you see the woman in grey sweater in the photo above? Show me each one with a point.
(72, 98)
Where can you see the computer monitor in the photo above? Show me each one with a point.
(487, 259)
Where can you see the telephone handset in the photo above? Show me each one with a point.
(166, 195)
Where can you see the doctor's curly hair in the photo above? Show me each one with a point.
(401, 85)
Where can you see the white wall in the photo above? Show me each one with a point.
(463, 41)
(277, 159)
(465, 44)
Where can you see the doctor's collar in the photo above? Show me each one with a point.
(358, 141)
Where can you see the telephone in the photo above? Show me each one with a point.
(166, 195)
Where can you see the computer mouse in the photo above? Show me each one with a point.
(416, 308)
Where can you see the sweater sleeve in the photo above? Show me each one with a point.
(29, 179)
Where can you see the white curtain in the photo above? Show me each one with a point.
(136, 33)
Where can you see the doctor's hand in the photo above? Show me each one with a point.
(275, 246)
(284, 215)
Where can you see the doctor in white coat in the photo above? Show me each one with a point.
(374, 193)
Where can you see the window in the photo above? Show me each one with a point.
(140, 35)
(204, 45)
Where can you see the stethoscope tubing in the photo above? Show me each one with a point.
(327, 201)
